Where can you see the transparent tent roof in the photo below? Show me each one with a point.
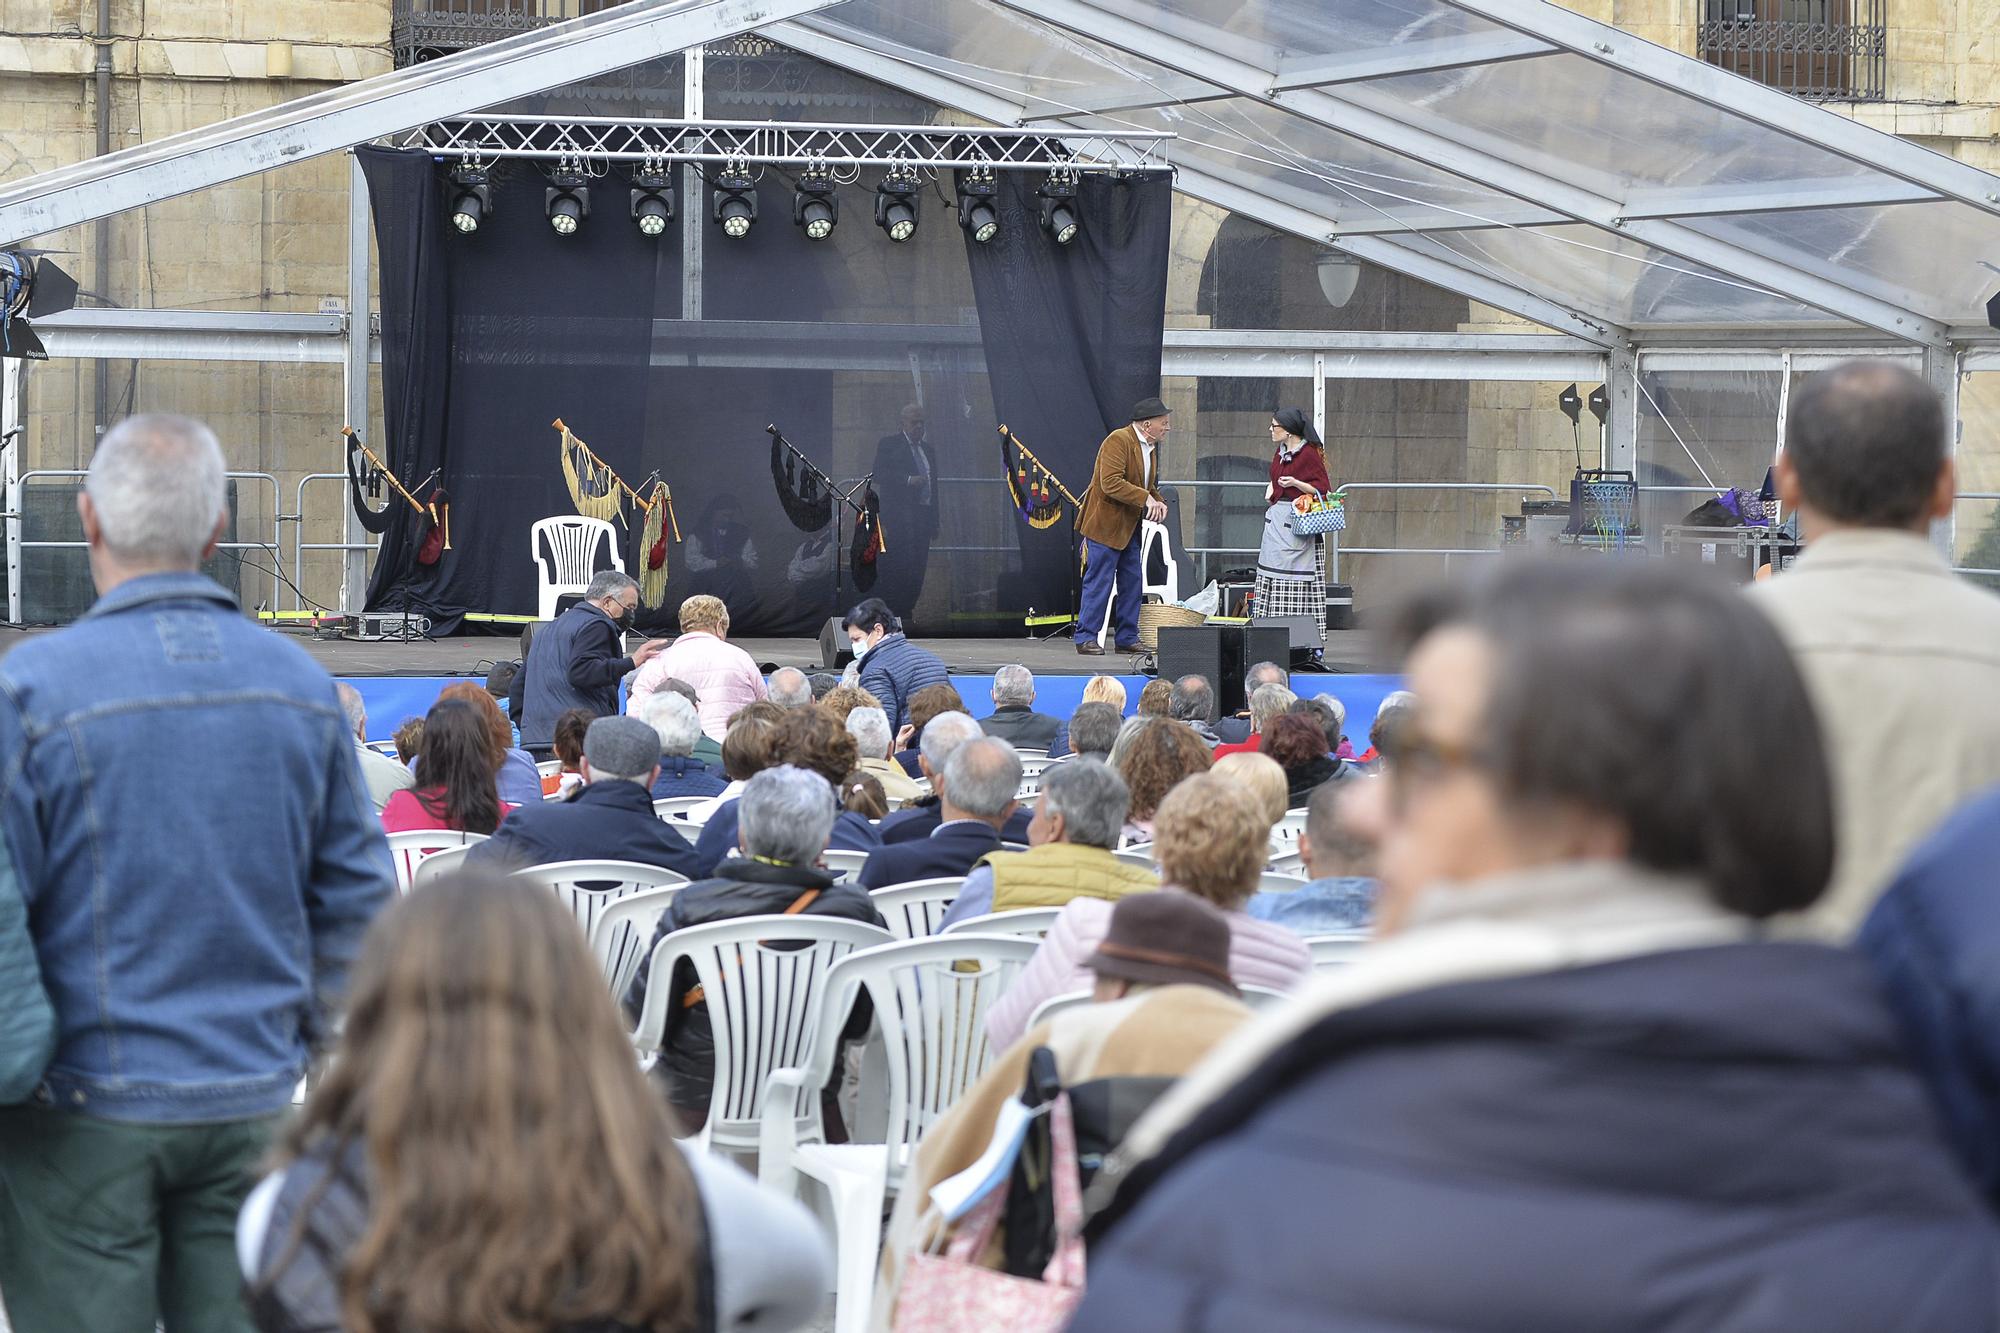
(1483, 144)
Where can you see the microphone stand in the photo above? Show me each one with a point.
(1075, 554)
(843, 501)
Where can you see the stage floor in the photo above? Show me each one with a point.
(1346, 651)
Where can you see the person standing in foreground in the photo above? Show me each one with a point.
(576, 661)
(1901, 655)
(194, 937)
(1124, 488)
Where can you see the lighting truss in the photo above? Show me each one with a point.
(767, 143)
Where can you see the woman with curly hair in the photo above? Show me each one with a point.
(807, 738)
(1298, 743)
(484, 1157)
(1153, 759)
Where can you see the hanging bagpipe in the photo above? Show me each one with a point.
(365, 483)
(809, 495)
(1038, 493)
(599, 492)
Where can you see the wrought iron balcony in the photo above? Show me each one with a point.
(1820, 50)
(425, 29)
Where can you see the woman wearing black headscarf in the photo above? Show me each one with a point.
(1291, 581)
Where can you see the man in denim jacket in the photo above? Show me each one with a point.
(193, 935)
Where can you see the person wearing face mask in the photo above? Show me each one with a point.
(1124, 488)
(576, 661)
(892, 668)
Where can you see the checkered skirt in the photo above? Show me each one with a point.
(1279, 596)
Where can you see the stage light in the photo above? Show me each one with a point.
(30, 287)
(735, 206)
(976, 212)
(567, 202)
(896, 206)
(471, 197)
(652, 200)
(815, 207)
(1059, 212)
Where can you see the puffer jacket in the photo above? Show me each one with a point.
(895, 669)
(27, 1023)
(1722, 1139)
(725, 678)
(1935, 939)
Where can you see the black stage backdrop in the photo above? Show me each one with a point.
(488, 338)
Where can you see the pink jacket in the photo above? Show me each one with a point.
(722, 674)
(1261, 953)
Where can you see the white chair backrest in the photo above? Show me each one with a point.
(1288, 863)
(763, 981)
(1336, 950)
(914, 910)
(571, 560)
(930, 999)
(1261, 998)
(1152, 540)
(1056, 1004)
(623, 933)
(845, 865)
(607, 882)
(439, 864)
(675, 808)
(410, 849)
(549, 768)
(1280, 881)
(1028, 921)
(1029, 755)
(1285, 833)
(1140, 854)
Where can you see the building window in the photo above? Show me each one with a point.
(1823, 50)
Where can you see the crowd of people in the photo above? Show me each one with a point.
(1677, 1006)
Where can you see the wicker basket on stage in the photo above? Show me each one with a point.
(1153, 616)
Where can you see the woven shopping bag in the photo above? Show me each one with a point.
(952, 1292)
(1310, 518)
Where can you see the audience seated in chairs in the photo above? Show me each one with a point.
(942, 737)
(707, 748)
(1259, 775)
(790, 689)
(930, 702)
(1212, 842)
(1340, 895)
(1096, 690)
(842, 700)
(1331, 714)
(1389, 716)
(1014, 717)
(782, 823)
(806, 738)
(1155, 699)
(1153, 757)
(722, 676)
(1078, 817)
(1266, 702)
(677, 726)
(609, 818)
(571, 728)
(1298, 744)
(409, 742)
(383, 776)
(1240, 728)
(861, 794)
(977, 800)
(517, 778)
(1093, 730)
(483, 1154)
(750, 747)
(1192, 703)
(1581, 850)
(869, 726)
(1163, 1001)
(454, 779)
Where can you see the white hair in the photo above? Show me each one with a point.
(1013, 685)
(943, 735)
(156, 485)
(354, 706)
(1267, 702)
(870, 729)
(1394, 700)
(982, 776)
(789, 688)
(669, 713)
(607, 583)
(786, 814)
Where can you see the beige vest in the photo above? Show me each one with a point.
(1054, 873)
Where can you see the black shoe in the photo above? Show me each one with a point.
(1131, 648)
(1092, 649)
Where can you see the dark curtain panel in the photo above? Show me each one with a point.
(1072, 336)
(487, 339)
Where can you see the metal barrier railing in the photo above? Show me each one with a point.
(299, 543)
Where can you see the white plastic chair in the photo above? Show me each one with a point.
(1288, 863)
(623, 933)
(1056, 1004)
(1330, 951)
(571, 541)
(845, 865)
(549, 768)
(1028, 921)
(1140, 854)
(1152, 539)
(609, 881)
(1032, 767)
(1028, 755)
(1261, 998)
(1280, 881)
(675, 809)
(440, 863)
(930, 999)
(914, 910)
(1285, 833)
(411, 848)
(763, 1005)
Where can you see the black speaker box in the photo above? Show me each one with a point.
(1301, 634)
(835, 652)
(1222, 653)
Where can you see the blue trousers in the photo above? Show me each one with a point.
(1104, 567)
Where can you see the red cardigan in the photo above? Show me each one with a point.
(1308, 465)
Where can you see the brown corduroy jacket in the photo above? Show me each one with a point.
(1117, 497)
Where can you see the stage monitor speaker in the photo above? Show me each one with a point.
(835, 652)
(1192, 650)
(1222, 653)
(1301, 635)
